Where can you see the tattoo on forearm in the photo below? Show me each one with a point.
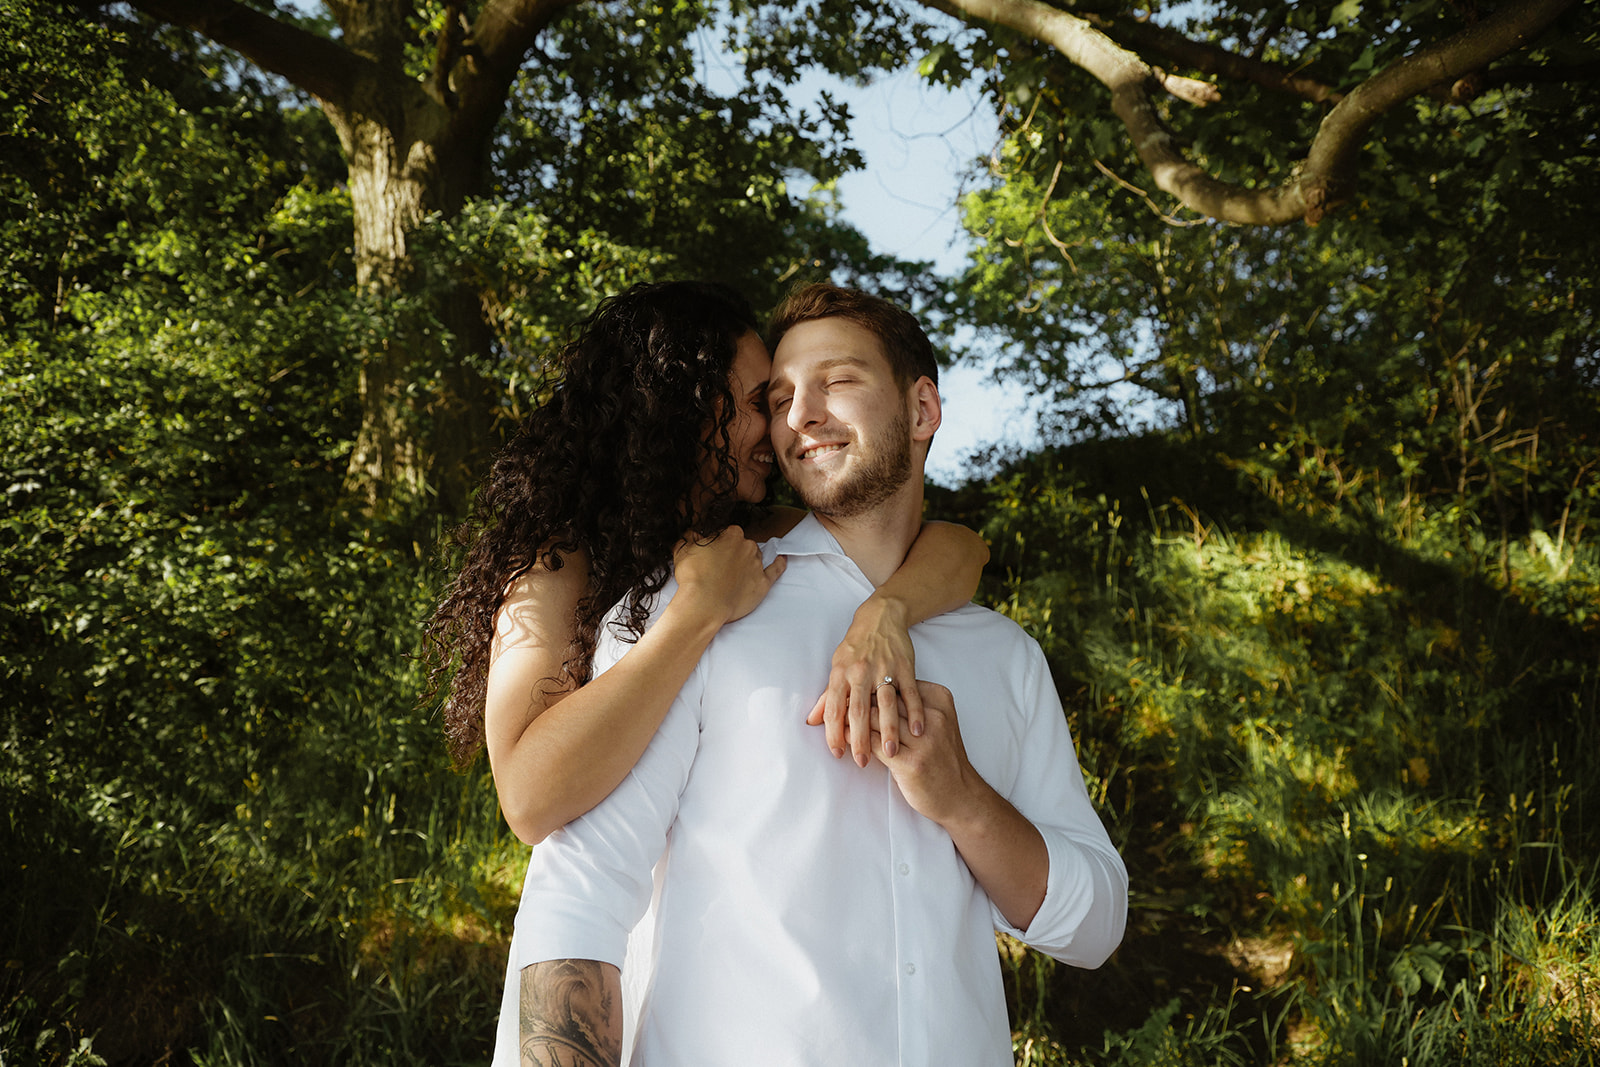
(569, 1016)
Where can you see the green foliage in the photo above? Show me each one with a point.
(854, 39)
(1436, 336)
(1329, 649)
(220, 802)
(1356, 758)
(645, 156)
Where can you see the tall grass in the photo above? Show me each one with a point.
(1354, 769)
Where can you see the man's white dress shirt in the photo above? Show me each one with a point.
(802, 912)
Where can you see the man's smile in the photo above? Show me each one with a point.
(816, 451)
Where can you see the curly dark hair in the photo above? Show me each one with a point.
(608, 465)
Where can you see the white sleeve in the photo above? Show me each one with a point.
(1085, 905)
(589, 882)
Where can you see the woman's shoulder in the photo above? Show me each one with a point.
(555, 581)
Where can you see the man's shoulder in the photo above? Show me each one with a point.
(987, 661)
(981, 631)
(973, 617)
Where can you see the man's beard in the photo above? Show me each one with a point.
(885, 468)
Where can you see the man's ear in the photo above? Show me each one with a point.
(926, 410)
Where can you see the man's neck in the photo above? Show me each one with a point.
(877, 540)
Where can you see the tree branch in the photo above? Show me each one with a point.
(1147, 37)
(1328, 174)
(325, 69)
(1332, 159)
(1530, 75)
(1193, 90)
(449, 51)
(1473, 85)
(1129, 79)
(493, 52)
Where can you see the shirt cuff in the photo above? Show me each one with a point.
(560, 927)
(1085, 906)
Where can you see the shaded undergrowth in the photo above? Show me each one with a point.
(234, 838)
(1350, 756)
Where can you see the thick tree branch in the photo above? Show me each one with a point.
(493, 52)
(1332, 159)
(325, 69)
(1328, 174)
(1148, 38)
(1129, 79)
(452, 46)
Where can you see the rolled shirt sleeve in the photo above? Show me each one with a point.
(589, 882)
(1085, 907)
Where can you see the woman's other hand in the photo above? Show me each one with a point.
(723, 576)
(877, 646)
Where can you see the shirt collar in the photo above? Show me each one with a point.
(811, 538)
(808, 538)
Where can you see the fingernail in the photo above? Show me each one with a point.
(916, 729)
(861, 761)
(838, 752)
(890, 748)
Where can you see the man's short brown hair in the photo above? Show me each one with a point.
(905, 344)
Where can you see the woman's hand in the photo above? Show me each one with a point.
(558, 751)
(723, 577)
(877, 646)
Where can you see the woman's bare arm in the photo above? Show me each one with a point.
(940, 574)
(556, 752)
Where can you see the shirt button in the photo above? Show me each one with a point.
(905, 868)
(911, 968)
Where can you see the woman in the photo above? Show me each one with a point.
(653, 442)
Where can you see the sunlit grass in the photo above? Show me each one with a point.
(1381, 772)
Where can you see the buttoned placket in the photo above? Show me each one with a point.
(910, 983)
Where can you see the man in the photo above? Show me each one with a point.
(805, 910)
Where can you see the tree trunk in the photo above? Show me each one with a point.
(413, 146)
(425, 414)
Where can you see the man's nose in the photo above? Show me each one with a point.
(805, 409)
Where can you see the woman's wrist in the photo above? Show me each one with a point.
(880, 607)
(701, 614)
